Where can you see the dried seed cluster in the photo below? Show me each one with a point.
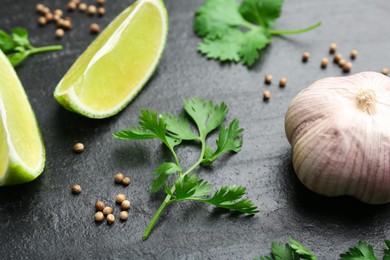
(103, 210)
(268, 81)
(65, 23)
(121, 178)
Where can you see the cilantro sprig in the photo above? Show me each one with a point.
(234, 31)
(295, 251)
(184, 185)
(17, 46)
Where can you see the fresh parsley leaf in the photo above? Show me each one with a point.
(237, 32)
(206, 115)
(283, 252)
(299, 249)
(17, 46)
(163, 171)
(363, 251)
(179, 127)
(229, 140)
(262, 12)
(387, 250)
(171, 130)
(6, 42)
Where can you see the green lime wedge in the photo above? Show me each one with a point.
(115, 67)
(21, 147)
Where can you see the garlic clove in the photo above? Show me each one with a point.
(339, 129)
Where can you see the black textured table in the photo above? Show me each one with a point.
(43, 220)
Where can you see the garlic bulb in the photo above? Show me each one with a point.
(339, 129)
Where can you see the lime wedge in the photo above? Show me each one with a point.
(21, 148)
(115, 67)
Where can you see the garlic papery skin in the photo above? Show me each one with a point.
(339, 129)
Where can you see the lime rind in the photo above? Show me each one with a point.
(16, 171)
(69, 99)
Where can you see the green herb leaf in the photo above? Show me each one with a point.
(230, 198)
(303, 252)
(206, 115)
(283, 252)
(6, 42)
(262, 12)
(191, 187)
(363, 251)
(179, 127)
(17, 46)
(20, 36)
(387, 250)
(233, 32)
(229, 140)
(163, 171)
(135, 133)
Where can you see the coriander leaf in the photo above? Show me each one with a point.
(224, 48)
(6, 42)
(299, 249)
(229, 139)
(263, 12)
(173, 141)
(230, 198)
(363, 251)
(214, 18)
(387, 250)
(252, 43)
(20, 36)
(17, 57)
(191, 187)
(283, 252)
(135, 133)
(163, 171)
(179, 127)
(206, 115)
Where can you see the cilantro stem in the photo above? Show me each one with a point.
(285, 32)
(45, 49)
(167, 199)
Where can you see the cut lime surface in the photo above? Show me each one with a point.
(115, 67)
(21, 147)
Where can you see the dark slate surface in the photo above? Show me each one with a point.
(42, 220)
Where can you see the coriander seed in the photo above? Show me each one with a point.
(342, 62)
(110, 218)
(78, 147)
(324, 62)
(67, 24)
(99, 216)
(268, 79)
(91, 10)
(94, 28)
(119, 177)
(332, 48)
(99, 205)
(125, 205)
(107, 210)
(305, 56)
(58, 12)
(45, 10)
(347, 67)
(59, 33)
(126, 181)
(101, 2)
(40, 8)
(337, 58)
(123, 215)
(120, 198)
(354, 54)
(76, 189)
(282, 82)
(266, 95)
(101, 11)
(49, 17)
(76, 1)
(83, 7)
(42, 21)
(385, 71)
(72, 6)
